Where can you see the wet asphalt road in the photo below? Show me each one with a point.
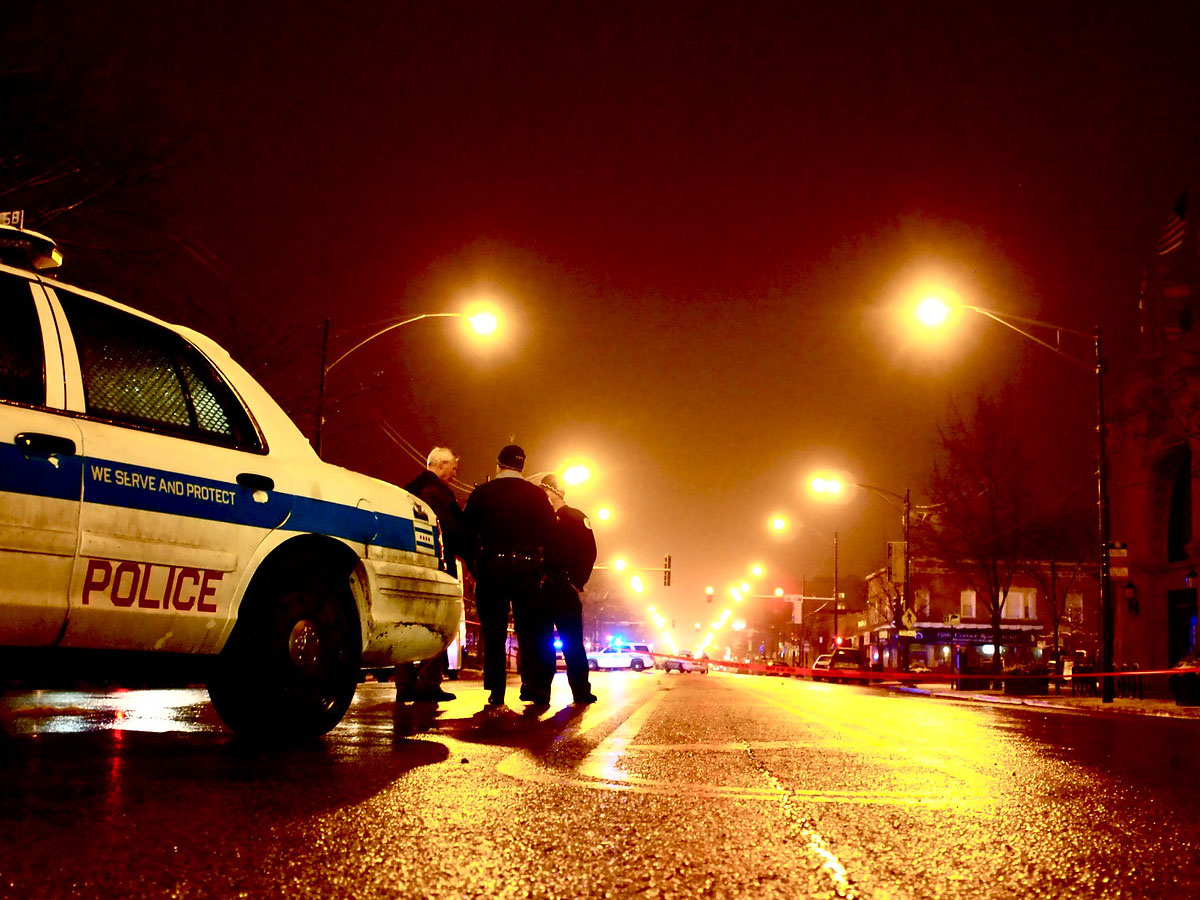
(671, 786)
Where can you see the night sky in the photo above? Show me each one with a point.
(698, 218)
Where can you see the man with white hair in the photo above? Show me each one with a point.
(424, 682)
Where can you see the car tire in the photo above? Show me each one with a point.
(290, 667)
(593, 666)
(637, 665)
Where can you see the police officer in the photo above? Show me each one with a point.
(424, 681)
(568, 567)
(512, 523)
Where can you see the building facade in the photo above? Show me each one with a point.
(948, 627)
(1153, 438)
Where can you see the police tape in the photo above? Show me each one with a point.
(780, 668)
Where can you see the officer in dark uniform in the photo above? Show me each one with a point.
(568, 568)
(424, 681)
(512, 524)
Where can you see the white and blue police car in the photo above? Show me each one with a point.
(162, 517)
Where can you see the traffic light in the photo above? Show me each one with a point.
(666, 571)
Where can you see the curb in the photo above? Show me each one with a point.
(1090, 709)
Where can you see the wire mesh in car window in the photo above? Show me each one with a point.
(22, 366)
(139, 373)
(217, 410)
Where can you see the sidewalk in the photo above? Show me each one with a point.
(1151, 706)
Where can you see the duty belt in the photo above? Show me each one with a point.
(515, 555)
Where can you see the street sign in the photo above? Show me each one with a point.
(951, 619)
(907, 632)
(909, 618)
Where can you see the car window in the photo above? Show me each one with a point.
(138, 373)
(22, 367)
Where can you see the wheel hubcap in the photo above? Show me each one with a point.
(304, 644)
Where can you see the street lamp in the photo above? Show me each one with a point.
(832, 486)
(480, 322)
(780, 524)
(934, 311)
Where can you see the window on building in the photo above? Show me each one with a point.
(1020, 604)
(1179, 516)
(967, 604)
(1074, 609)
(924, 603)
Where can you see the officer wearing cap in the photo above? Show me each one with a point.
(512, 524)
(569, 564)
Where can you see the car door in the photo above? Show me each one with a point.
(178, 489)
(40, 470)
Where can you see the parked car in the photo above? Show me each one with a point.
(686, 663)
(821, 664)
(848, 659)
(622, 656)
(162, 519)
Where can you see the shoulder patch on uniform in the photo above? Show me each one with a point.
(587, 523)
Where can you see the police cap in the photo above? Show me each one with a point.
(512, 457)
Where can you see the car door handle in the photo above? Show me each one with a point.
(31, 442)
(254, 482)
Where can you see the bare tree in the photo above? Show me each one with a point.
(982, 489)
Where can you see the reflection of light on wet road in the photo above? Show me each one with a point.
(74, 712)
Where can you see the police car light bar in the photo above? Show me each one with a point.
(28, 250)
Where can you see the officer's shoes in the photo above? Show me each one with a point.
(437, 695)
(495, 698)
(537, 698)
(584, 699)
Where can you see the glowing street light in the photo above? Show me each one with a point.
(636, 585)
(756, 571)
(576, 474)
(779, 524)
(619, 564)
(604, 513)
(824, 485)
(933, 311)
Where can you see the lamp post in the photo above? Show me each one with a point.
(933, 311)
(828, 485)
(780, 524)
(482, 323)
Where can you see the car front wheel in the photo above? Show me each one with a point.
(290, 667)
(593, 666)
(637, 665)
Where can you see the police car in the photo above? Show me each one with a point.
(620, 655)
(161, 515)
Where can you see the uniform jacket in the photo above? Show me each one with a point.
(444, 504)
(508, 514)
(573, 552)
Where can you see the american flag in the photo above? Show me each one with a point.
(1172, 234)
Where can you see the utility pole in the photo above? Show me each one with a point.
(836, 593)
